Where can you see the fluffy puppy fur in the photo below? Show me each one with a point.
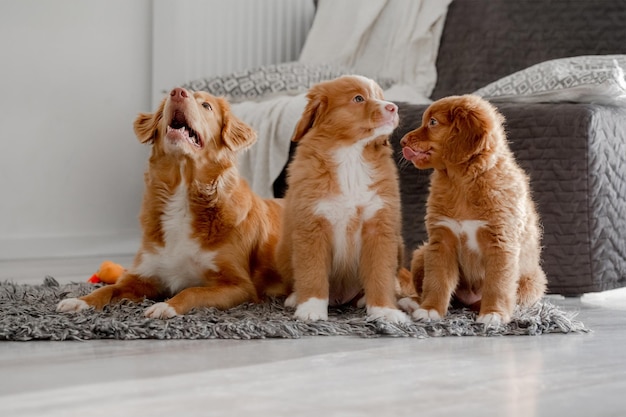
(342, 224)
(208, 240)
(483, 229)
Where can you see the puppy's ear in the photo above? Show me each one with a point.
(470, 131)
(146, 124)
(316, 105)
(236, 134)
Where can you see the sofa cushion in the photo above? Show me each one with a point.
(583, 79)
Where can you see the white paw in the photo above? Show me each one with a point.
(408, 304)
(160, 311)
(361, 302)
(426, 315)
(490, 319)
(312, 309)
(391, 315)
(71, 304)
(292, 300)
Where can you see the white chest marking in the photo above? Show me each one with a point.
(181, 262)
(354, 176)
(469, 228)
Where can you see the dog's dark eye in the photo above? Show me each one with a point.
(432, 122)
(358, 99)
(207, 106)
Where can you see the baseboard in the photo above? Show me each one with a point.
(70, 246)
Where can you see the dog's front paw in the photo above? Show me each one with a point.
(408, 304)
(160, 311)
(426, 315)
(391, 315)
(312, 309)
(71, 304)
(490, 319)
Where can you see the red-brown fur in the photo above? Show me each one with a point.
(212, 244)
(334, 121)
(475, 178)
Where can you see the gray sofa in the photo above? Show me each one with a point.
(574, 153)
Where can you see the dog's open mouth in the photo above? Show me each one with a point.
(181, 129)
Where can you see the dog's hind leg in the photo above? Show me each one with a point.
(417, 269)
(531, 287)
(224, 290)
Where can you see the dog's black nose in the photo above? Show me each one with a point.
(179, 93)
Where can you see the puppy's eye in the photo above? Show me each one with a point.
(358, 99)
(432, 122)
(207, 106)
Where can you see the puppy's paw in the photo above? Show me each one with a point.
(313, 309)
(490, 319)
(426, 315)
(361, 303)
(71, 304)
(408, 304)
(160, 311)
(391, 315)
(292, 300)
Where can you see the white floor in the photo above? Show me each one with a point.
(550, 375)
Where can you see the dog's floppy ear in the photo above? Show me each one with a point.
(470, 130)
(316, 105)
(146, 124)
(236, 134)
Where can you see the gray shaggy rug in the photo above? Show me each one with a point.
(27, 312)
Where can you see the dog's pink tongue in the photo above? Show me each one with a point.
(408, 153)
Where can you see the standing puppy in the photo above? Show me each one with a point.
(208, 240)
(483, 230)
(342, 223)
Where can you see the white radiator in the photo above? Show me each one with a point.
(199, 38)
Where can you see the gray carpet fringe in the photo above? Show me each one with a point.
(27, 312)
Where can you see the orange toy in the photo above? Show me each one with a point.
(108, 273)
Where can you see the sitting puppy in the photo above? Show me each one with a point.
(342, 223)
(208, 240)
(483, 230)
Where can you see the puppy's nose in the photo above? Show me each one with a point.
(179, 94)
(390, 107)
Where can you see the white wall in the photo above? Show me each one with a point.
(73, 75)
